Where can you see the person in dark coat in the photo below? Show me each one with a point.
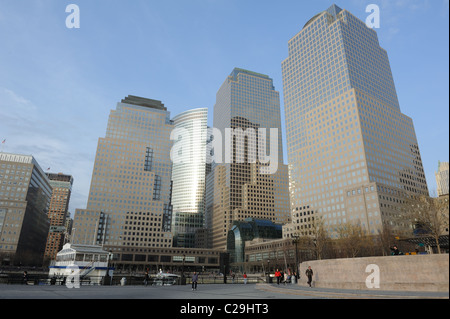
(146, 278)
(396, 251)
(309, 273)
(25, 278)
(194, 281)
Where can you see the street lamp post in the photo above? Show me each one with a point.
(268, 271)
(183, 279)
(296, 240)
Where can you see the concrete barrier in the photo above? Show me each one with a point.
(398, 273)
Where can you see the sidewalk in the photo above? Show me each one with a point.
(261, 291)
(329, 293)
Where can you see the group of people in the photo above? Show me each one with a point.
(284, 277)
(244, 276)
(279, 275)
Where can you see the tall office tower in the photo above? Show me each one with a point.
(240, 185)
(25, 193)
(188, 176)
(442, 179)
(129, 204)
(352, 153)
(57, 214)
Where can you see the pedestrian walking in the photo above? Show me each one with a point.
(194, 281)
(245, 278)
(25, 278)
(278, 276)
(309, 273)
(146, 279)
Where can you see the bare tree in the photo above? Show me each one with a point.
(386, 239)
(352, 239)
(319, 237)
(430, 214)
(313, 243)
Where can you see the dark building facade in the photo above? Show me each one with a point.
(25, 193)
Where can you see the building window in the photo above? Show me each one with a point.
(148, 159)
(157, 188)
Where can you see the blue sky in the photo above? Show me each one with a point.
(58, 85)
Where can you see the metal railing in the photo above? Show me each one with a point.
(226, 279)
(133, 280)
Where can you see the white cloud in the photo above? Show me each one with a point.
(10, 101)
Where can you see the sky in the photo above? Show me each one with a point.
(58, 84)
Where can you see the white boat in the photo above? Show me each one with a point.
(89, 262)
(165, 279)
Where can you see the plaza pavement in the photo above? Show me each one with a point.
(206, 291)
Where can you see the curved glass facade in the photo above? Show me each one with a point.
(248, 230)
(188, 175)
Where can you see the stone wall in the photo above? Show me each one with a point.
(403, 273)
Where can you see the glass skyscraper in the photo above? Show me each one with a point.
(188, 175)
(237, 188)
(129, 204)
(353, 155)
(25, 193)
